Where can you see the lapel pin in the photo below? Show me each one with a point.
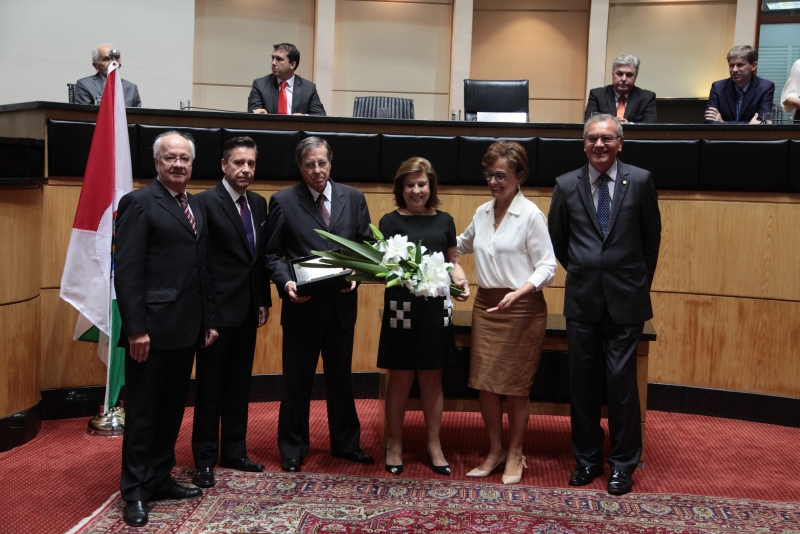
(624, 182)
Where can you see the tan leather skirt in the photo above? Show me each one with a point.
(506, 347)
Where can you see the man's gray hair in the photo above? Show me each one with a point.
(626, 59)
(157, 142)
(310, 143)
(746, 51)
(96, 54)
(600, 117)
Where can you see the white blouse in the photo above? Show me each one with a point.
(518, 251)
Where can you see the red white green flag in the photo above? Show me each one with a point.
(87, 282)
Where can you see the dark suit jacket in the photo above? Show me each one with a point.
(639, 107)
(304, 96)
(757, 99)
(616, 271)
(88, 88)
(162, 276)
(239, 277)
(293, 216)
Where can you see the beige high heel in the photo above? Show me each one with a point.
(483, 473)
(514, 479)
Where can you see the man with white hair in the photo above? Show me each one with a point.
(87, 89)
(622, 99)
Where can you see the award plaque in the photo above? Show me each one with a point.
(316, 280)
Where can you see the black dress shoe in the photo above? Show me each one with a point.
(619, 482)
(290, 465)
(584, 475)
(135, 513)
(242, 464)
(204, 477)
(358, 457)
(174, 491)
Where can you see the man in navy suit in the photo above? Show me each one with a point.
(165, 294)
(324, 322)
(744, 98)
(92, 86)
(622, 98)
(606, 230)
(282, 92)
(237, 227)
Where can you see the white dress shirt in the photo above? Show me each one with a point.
(594, 180)
(235, 196)
(289, 92)
(518, 251)
(175, 196)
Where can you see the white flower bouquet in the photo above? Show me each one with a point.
(394, 261)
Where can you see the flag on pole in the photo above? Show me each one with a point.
(88, 279)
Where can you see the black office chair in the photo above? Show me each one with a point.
(499, 96)
(71, 93)
(397, 108)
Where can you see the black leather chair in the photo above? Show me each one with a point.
(556, 157)
(499, 96)
(71, 93)
(275, 153)
(675, 164)
(794, 166)
(470, 157)
(69, 143)
(356, 157)
(442, 152)
(21, 157)
(207, 144)
(397, 108)
(757, 166)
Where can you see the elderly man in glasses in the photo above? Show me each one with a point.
(606, 230)
(321, 323)
(89, 88)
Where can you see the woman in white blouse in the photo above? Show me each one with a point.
(514, 261)
(790, 98)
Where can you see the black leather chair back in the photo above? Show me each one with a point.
(500, 96)
(556, 157)
(207, 145)
(470, 158)
(397, 108)
(69, 143)
(794, 165)
(442, 152)
(744, 165)
(356, 157)
(674, 163)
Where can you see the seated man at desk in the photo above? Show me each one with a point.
(744, 98)
(622, 98)
(91, 87)
(282, 92)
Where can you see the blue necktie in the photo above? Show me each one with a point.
(604, 204)
(248, 224)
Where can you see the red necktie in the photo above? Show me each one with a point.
(621, 107)
(283, 107)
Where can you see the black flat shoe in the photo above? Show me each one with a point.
(438, 469)
(584, 475)
(619, 482)
(290, 465)
(359, 457)
(135, 513)
(241, 464)
(204, 477)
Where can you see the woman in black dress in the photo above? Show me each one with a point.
(416, 332)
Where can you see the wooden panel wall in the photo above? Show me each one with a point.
(19, 356)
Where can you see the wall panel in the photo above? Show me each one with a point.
(20, 231)
(19, 356)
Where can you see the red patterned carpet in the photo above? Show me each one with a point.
(63, 475)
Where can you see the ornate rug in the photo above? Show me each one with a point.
(316, 503)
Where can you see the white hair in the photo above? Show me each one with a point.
(626, 59)
(96, 53)
(157, 142)
(600, 117)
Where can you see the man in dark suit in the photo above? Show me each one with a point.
(92, 86)
(744, 98)
(324, 322)
(622, 98)
(237, 223)
(282, 92)
(606, 230)
(166, 299)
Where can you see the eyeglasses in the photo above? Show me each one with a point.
(605, 139)
(499, 177)
(169, 159)
(311, 165)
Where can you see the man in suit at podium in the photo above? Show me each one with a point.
(92, 86)
(744, 98)
(324, 322)
(606, 230)
(283, 92)
(622, 98)
(165, 295)
(237, 225)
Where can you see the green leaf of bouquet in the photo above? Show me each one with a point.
(375, 232)
(360, 249)
(455, 290)
(363, 277)
(393, 282)
(329, 254)
(418, 258)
